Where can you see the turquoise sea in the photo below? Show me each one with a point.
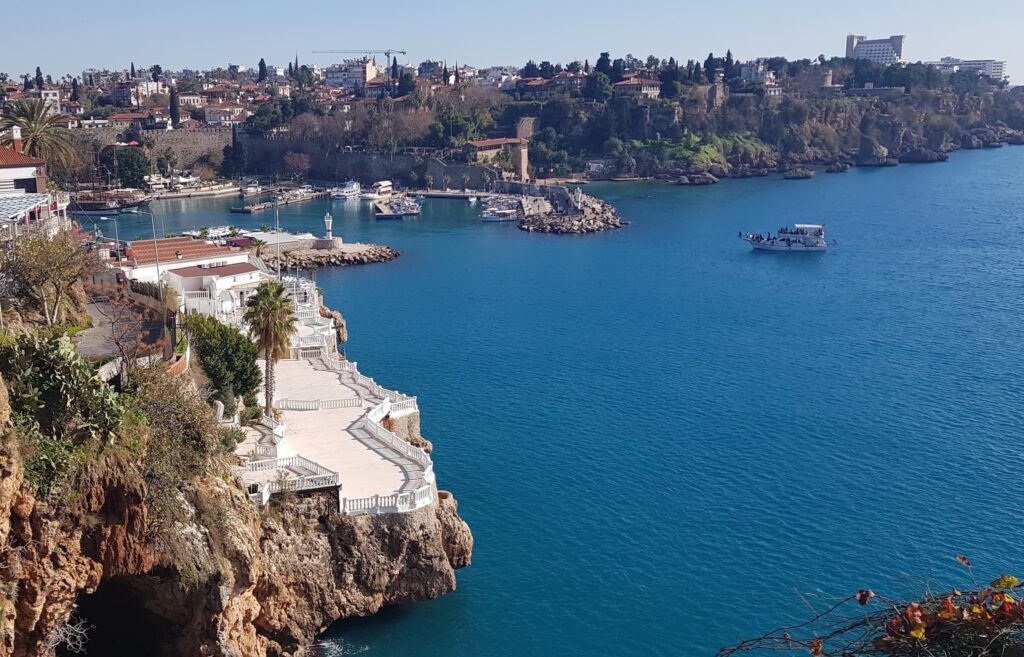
(661, 439)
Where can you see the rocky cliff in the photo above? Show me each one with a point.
(236, 580)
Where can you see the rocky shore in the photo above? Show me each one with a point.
(259, 582)
(348, 254)
(593, 216)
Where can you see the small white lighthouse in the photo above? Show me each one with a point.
(329, 222)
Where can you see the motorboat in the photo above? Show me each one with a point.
(350, 189)
(379, 190)
(799, 237)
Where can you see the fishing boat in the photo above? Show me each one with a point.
(500, 208)
(396, 208)
(800, 237)
(350, 189)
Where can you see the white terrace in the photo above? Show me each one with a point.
(331, 433)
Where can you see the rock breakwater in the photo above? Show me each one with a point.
(591, 216)
(348, 254)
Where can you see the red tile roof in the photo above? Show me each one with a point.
(144, 252)
(12, 158)
(496, 143)
(631, 82)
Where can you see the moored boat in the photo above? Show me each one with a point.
(350, 189)
(801, 237)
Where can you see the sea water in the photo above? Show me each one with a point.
(663, 441)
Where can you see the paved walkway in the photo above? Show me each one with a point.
(334, 438)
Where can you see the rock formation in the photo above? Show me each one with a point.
(798, 173)
(254, 582)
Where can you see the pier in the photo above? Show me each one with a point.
(266, 205)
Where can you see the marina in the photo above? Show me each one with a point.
(285, 198)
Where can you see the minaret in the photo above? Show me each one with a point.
(329, 222)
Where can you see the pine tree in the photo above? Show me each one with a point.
(133, 71)
(39, 78)
(263, 71)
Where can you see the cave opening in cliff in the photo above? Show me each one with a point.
(119, 623)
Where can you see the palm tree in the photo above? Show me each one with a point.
(41, 136)
(271, 319)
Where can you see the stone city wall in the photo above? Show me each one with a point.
(187, 145)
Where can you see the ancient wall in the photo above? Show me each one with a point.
(187, 145)
(265, 156)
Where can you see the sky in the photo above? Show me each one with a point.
(203, 34)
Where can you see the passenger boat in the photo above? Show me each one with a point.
(351, 189)
(498, 215)
(251, 188)
(801, 237)
(379, 190)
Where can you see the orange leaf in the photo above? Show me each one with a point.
(817, 648)
(964, 560)
(864, 595)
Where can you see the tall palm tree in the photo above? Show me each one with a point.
(271, 318)
(41, 135)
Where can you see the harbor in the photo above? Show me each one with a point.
(285, 198)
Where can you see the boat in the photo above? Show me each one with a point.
(109, 203)
(210, 233)
(251, 188)
(501, 208)
(801, 237)
(351, 189)
(472, 200)
(396, 208)
(379, 190)
(498, 215)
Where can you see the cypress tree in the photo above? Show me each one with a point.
(394, 68)
(39, 78)
(586, 67)
(133, 70)
(175, 109)
(263, 71)
(74, 89)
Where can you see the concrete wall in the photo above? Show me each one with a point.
(187, 145)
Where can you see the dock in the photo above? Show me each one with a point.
(266, 205)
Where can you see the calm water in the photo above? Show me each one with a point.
(658, 437)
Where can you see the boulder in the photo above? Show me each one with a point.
(873, 154)
(922, 155)
(703, 179)
(838, 167)
(798, 173)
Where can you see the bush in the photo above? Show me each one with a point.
(227, 357)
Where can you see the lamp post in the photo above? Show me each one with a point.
(159, 283)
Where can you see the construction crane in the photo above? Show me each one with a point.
(369, 51)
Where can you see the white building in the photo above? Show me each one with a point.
(352, 74)
(880, 51)
(992, 68)
(221, 290)
(757, 72)
(51, 100)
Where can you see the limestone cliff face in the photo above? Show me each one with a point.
(260, 582)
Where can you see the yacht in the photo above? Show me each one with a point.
(251, 188)
(501, 208)
(379, 190)
(801, 237)
(351, 189)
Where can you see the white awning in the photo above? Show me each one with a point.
(16, 205)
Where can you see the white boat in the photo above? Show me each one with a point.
(351, 189)
(379, 190)
(251, 188)
(472, 200)
(801, 237)
(498, 215)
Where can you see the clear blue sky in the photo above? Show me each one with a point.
(189, 33)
